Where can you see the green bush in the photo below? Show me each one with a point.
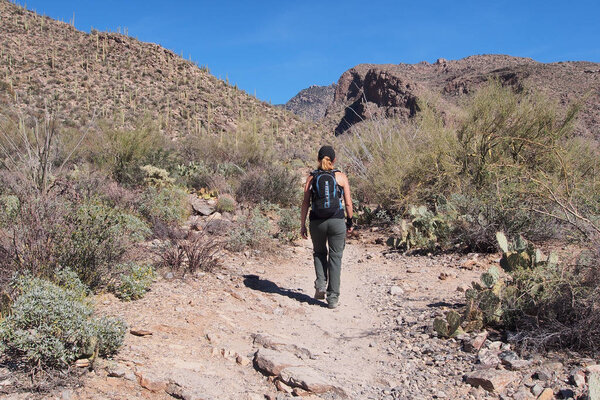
(9, 208)
(50, 326)
(510, 154)
(289, 224)
(68, 279)
(396, 164)
(167, 205)
(99, 239)
(225, 203)
(275, 184)
(111, 333)
(252, 233)
(123, 152)
(134, 281)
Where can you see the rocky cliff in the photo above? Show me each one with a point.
(311, 103)
(381, 91)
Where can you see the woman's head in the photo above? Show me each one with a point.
(326, 158)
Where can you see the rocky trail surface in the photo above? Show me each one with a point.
(253, 331)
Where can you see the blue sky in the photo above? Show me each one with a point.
(276, 48)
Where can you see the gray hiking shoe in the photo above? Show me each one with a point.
(333, 304)
(319, 294)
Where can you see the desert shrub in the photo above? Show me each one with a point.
(9, 208)
(225, 203)
(167, 205)
(189, 253)
(36, 149)
(99, 238)
(199, 253)
(68, 279)
(33, 239)
(506, 134)
(396, 164)
(252, 143)
(195, 175)
(289, 224)
(134, 281)
(110, 332)
(508, 156)
(275, 184)
(252, 233)
(123, 152)
(50, 326)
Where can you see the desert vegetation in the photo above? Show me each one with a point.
(510, 164)
(79, 209)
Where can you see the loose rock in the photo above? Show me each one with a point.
(273, 362)
(140, 332)
(547, 394)
(152, 382)
(305, 378)
(492, 380)
(396, 291)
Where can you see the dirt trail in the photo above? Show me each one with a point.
(373, 346)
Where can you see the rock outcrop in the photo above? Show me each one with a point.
(370, 91)
(311, 103)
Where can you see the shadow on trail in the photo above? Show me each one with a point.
(440, 304)
(254, 282)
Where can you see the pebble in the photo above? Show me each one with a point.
(537, 389)
(396, 291)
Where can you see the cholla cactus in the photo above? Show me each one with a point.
(156, 176)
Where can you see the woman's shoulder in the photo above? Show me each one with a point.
(340, 176)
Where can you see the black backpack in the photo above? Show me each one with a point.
(326, 194)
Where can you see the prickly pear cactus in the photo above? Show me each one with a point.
(490, 278)
(441, 327)
(491, 307)
(449, 327)
(454, 321)
(502, 242)
(484, 301)
(522, 254)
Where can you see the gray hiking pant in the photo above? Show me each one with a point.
(328, 261)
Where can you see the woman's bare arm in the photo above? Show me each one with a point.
(343, 182)
(304, 208)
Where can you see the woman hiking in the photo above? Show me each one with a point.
(326, 190)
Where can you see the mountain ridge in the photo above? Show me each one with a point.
(47, 65)
(393, 90)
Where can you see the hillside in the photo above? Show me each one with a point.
(379, 91)
(47, 64)
(311, 103)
